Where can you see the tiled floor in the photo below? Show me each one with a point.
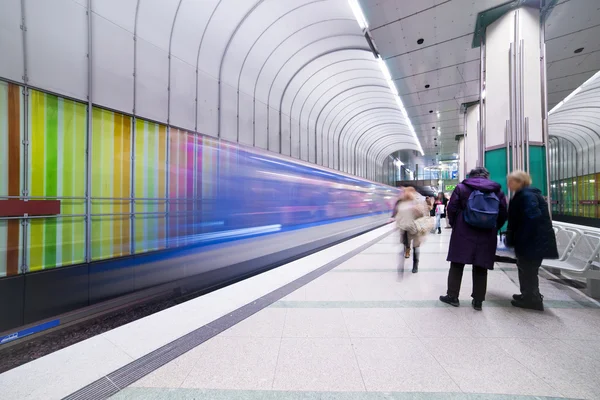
(366, 331)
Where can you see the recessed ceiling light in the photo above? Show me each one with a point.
(420, 41)
(579, 50)
(427, 86)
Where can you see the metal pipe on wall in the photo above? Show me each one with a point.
(513, 106)
(527, 145)
(88, 145)
(480, 127)
(25, 189)
(521, 101)
(544, 89)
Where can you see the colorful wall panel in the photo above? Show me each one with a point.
(150, 183)
(111, 184)
(11, 172)
(181, 185)
(56, 170)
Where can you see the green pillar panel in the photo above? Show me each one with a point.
(495, 162)
(537, 167)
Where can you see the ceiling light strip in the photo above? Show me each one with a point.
(362, 22)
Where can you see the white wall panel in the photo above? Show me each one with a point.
(155, 20)
(472, 144)
(245, 119)
(273, 127)
(191, 20)
(530, 32)
(119, 12)
(112, 65)
(498, 36)
(285, 138)
(183, 94)
(260, 127)
(11, 41)
(57, 46)
(207, 104)
(228, 113)
(152, 71)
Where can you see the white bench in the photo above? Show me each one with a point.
(582, 258)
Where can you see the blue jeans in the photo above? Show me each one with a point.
(438, 223)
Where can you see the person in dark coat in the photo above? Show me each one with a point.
(530, 233)
(471, 245)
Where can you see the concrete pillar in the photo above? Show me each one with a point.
(514, 105)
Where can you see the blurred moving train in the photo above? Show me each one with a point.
(262, 210)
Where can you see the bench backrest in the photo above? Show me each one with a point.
(564, 241)
(585, 250)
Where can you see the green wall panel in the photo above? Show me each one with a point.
(495, 162)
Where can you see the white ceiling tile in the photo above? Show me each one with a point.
(572, 16)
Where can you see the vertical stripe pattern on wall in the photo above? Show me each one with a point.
(11, 134)
(150, 183)
(57, 171)
(111, 184)
(181, 185)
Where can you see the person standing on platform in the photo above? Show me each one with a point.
(440, 211)
(530, 233)
(477, 210)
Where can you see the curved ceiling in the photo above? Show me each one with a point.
(577, 120)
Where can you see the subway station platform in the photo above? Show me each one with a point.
(341, 324)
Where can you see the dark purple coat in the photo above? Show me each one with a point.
(470, 245)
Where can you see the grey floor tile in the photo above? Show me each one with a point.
(566, 323)
(478, 365)
(572, 373)
(315, 323)
(317, 365)
(268, 322)
(400, 365)
(591, 348)
(234, 363)
(500, 322)
(375, 323)
(437, 322)
(329, 287)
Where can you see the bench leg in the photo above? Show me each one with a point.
(593, 288)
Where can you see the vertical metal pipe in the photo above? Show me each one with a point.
(513, 116)
(167, 180)
(25, 189)
(507, 143)
(481, 141)
(132, 186)
(133, 123)
(88, 144)
(544, 89)
(527, 144)
(521, 100)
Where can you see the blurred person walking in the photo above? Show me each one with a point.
(440, 211)
(412, 220)
(476, 210)
(530, 233)
(403, 234)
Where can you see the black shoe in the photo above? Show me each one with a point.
(517, 296)
(477, 304)
(416, 256)
(529, 304)
(415, 270)
(439, 231)
(453, 301)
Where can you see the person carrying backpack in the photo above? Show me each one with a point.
(476, 210)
